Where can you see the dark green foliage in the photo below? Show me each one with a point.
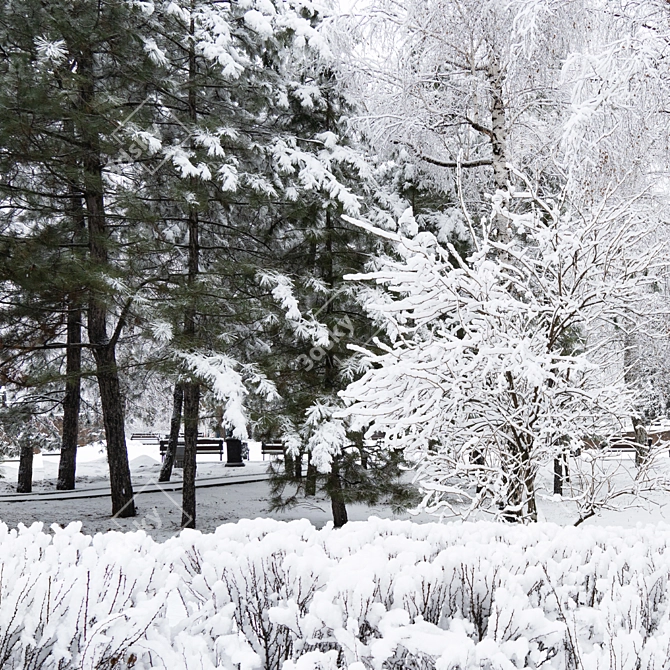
(25, 424)
(382, 480)
(163, 188)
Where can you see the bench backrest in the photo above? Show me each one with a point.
(203, 444)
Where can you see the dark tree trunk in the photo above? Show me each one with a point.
(104, 348)
(25, 480)
(175, 424)
(289, 464)
(191, 388)
(298, 466)
(104, 352)
(558, 475)
(337, 505)
(123, 504)
(68, 450)
(478, 459)
(191, 416)
(67, 465)
(310, 480)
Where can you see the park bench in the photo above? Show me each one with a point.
(145, 438)
(272, 449)
(622, 444)
(205, 445)
(627, 442)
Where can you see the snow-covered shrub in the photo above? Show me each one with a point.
(377, 595)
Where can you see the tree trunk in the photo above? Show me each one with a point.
(641, 446)
(530, 502)
(72, 399)
(298, 466)
(558, 475)
(123, 504)
(516, 485)
(68, 451)
(498, 124)
(477, 458)
(191, 416)
(310, 480)
(289, 464)
(334, 488)
(104, 352)
(25, 479)
(498, 139)
(191, 388)
(337, 504)
(175, 424)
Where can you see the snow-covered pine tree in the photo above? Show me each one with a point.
(42, 226)
(325, 173)
(210, 153)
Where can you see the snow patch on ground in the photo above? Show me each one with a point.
(143, 462)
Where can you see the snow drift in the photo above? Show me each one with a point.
(377, 594)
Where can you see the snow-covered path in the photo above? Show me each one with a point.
(103, 491)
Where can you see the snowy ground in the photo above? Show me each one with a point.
(159, 512)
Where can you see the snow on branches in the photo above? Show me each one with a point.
(230, 382)
(495, 363)
(374, 595)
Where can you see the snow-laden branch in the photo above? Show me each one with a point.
(498, 363)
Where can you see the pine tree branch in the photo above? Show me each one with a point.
(120, 323)
(44, 347)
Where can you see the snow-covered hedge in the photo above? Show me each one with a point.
(379, 594)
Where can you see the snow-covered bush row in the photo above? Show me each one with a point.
(377, 595)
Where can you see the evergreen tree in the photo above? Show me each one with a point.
(326, 175)
(70, 72)
(210, 176)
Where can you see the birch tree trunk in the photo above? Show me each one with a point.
(498, 139)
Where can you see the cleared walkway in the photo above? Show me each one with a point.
(150, 487)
